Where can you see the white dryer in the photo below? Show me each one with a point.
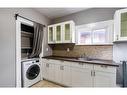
(30, 72)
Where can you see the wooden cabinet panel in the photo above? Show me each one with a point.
(104, 76)
(104, 79)
(58, 74)
(81, 77)
(66, 75)
(49, 71)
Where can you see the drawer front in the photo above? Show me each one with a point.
(81, 65)
(105, 68)
(66, 63)
(44, 60)
(51, 61)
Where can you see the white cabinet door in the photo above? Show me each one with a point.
(51, 72)
(48, 71)
(51, 34)
(58, 33)
(81, 77)
(120, 25)
(66, 75)
(58, 74)
(104, 76)
(68, 32)
(45, 70)
(104, 79)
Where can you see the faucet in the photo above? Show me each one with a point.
(83, 55)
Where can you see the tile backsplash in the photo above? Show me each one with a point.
(97, 51)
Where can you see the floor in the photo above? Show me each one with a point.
(45, 83)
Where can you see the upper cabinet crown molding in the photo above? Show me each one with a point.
(61, 33)
(120, 25)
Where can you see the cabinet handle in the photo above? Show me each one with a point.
(61, 61)
(94, 73)
(61, 67)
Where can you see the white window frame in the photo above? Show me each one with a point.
(108, 25)
(86, 29)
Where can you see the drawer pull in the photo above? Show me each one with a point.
(104, 66)
(61, 61)
(94, 73)
(61, 67)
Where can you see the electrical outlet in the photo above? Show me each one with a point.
(47, 49)
(68, 49)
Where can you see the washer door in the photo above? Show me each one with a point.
(32, 72)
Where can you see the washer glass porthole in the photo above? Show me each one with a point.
(33, 72)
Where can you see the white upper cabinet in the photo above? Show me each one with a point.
(120, 25)
(61, 33)
(99, 33)
(69, 32)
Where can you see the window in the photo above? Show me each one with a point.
(84, 36)
(99, 36)
(95, 33)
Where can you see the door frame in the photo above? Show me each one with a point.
(19, 21)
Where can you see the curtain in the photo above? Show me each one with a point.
(37, 41)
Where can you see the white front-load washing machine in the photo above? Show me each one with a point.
(30, 72)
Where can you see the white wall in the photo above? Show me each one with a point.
(89, 16)
(120, 52)
(7, 41)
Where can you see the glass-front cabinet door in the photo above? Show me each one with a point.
(120, 28)
(51, 34)
(68, 34)
(58, 33)
(123, 25)
(63, 32)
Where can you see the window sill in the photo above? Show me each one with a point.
(107, 44)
